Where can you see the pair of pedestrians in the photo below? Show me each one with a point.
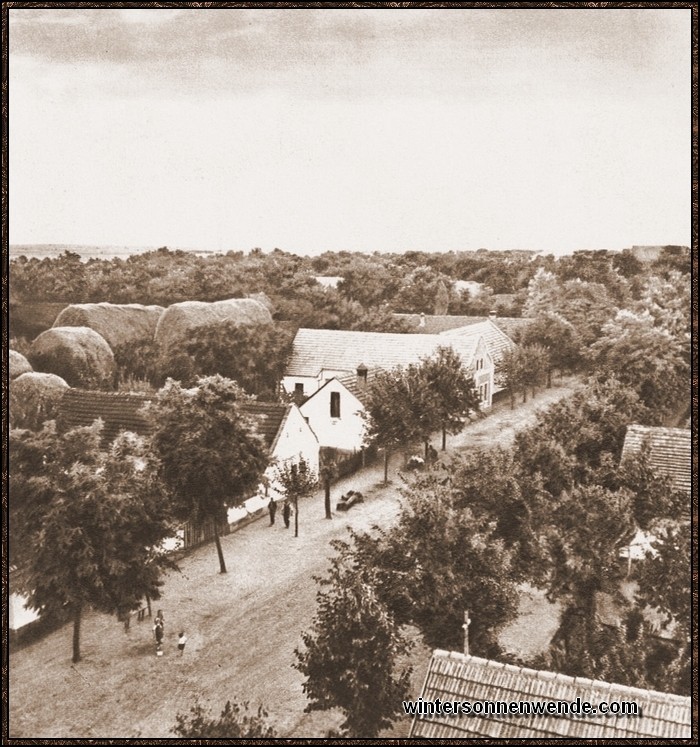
(159, 633)
(287, 512)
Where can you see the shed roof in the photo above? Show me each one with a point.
(453, 676)
(670, 451)
(343, 350)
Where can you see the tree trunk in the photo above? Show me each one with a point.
(524, 395)
(549, 378)
(386, 466)
(426, 450)
(77, 615)
(512, 399)
(219, 551)
(444, 438)
(148, 605)
(327, 499)
(296, 516)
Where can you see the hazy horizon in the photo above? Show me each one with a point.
(549, 130)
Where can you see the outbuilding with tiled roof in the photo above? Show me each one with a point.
(286, 432)
(669, 449)
(455, 677)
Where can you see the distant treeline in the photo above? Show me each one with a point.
(372, 286)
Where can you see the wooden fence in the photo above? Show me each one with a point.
(347, 462)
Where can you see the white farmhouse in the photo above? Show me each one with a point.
(319, 355)
(334, 413)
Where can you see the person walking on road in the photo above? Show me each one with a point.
(286, 514)
(272, 506)
(181, 641)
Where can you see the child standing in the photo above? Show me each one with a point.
(181, 641)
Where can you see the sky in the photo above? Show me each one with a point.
(367, 130)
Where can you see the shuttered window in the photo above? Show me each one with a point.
(335, 404)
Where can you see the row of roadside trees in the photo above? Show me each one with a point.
(88, 518)
(554, 510)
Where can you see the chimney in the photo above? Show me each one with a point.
(492, 314)
(421, 323)
(361, 376)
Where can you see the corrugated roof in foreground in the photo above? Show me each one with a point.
(670, 451)
(456, 677)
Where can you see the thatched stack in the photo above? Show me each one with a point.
(119, 324)
(179, 320)
(77, 354)
(35, 398)
(18, 364)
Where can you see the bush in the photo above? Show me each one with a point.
(235, 722)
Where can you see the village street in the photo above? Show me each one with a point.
(242, 627)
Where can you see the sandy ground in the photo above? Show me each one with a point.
(243, 626)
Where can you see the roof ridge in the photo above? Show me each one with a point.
(558, 676)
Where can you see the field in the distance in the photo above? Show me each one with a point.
(48, 251)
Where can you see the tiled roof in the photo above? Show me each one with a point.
(268, 417)
(119, 411)
(670, 451)
(342, 350)
(497, 341)
(435, 324)
(453, 676)
(354, 387)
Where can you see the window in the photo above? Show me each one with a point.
(299, 390)
(335, 404)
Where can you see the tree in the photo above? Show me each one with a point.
(297, 480)
(350, 653)
(664, 577)
(235, 722)
(390, 420)
(586, 305)
(512, 372)
(627, 264)
(211, 457)
(491, 484)
(255, 356)
(575, 436)
(646, 358)
(558, 337)
(534, 366)
(588, 528)
(86, 522)
(328, 472)
(438, 560)
(669, 303)
(454, 397)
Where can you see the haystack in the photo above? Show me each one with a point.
(264, 299)
(18, 364)
(78, 354)
(35, 398)
(119, 324)
(179, 320)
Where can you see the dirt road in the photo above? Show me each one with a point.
(242, 627)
